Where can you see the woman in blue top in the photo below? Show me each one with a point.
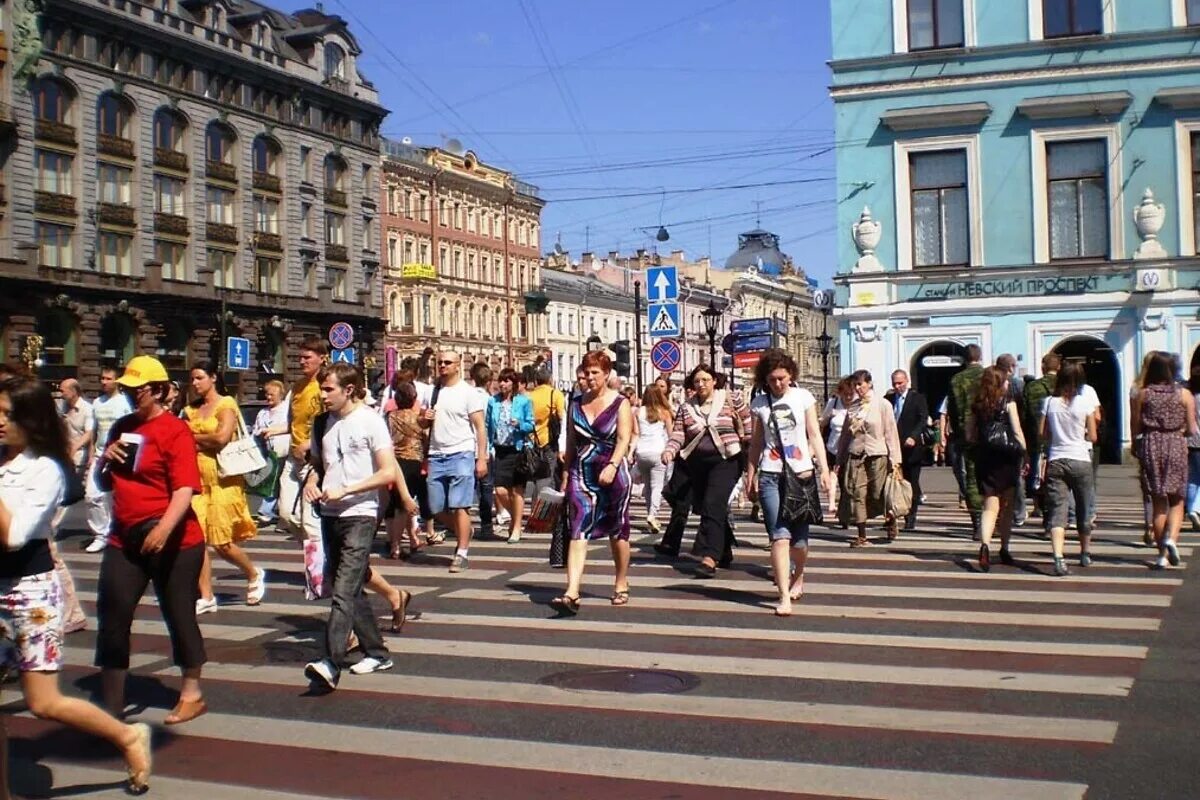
(509, 423)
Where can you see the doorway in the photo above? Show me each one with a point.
(1099, 363)
(932, 368)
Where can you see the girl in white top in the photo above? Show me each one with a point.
(785, 425)
(1069, 424)
(33, 458)
(651, 421)
(834, 416)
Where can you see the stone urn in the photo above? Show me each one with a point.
(1148, 218)
(866, 234)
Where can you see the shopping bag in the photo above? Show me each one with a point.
(897, 495)
(546, 511)
(241, 455)
(314, 571)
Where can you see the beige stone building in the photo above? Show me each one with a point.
(460, 254)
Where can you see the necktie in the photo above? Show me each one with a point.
(899, 406)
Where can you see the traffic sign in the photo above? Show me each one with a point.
(341, 335)
(663, 320)
(748, 327)
(344, 355)
(237, 352)
(727, 343)
(746, 360)
(751, 344)
(665, 355)
(822, 299)
(662, 284)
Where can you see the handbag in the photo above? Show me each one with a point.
(532, 460)
(998, 435)
(897, 495)
(799, 497)
(241, 455)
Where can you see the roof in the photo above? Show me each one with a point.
(290, 29)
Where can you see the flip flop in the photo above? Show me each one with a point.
(567, 604)
(398, 613)
(620, 597)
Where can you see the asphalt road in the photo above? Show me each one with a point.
(903, 674)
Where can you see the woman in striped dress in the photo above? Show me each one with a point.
(596, 483)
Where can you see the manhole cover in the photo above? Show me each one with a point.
(630, 681)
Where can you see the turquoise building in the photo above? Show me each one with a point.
(1019, 174)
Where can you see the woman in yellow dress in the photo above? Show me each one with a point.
(221, 504)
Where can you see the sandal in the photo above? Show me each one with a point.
(567, 604)
(437, 537)
(138, 782)
(861, 542)
(398, 613)
(620, 597)
(186, 711)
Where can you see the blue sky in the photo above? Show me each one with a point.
(655, 98)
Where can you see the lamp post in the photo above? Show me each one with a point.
(712, 322)
(823, 342)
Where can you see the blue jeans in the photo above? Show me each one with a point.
(347, 548)
(1193, 487)
(768, 498)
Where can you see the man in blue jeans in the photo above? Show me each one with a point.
(351, 454)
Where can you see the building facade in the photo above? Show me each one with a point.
(1025, 178)
(461, 252)
(182, 171)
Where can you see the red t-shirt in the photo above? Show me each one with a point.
(166, 462)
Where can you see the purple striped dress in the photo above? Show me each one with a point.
(597, 511)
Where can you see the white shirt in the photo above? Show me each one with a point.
(79, 421)
(452, 432)
(347, 450)
(652, 436)
(31, 487)
(1067, 426)
(789, 411)
(276, 417)
(836, 410)
(107, 409)
(424, 393)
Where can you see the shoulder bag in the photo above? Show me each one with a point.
(242, 456)
(997, 435)
(799, 498)
(897, 495)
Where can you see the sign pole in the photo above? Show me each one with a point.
(637, 331)
(221, 352)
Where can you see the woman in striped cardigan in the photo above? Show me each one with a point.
(709, 433)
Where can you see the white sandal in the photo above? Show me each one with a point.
(256, 590)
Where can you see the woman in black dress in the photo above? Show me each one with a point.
(997, 467)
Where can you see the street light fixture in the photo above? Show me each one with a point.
(823, 344)
(712, 323)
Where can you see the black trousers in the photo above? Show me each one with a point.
(712, 480)
(912, 473)
(679, 494)
(124, 575)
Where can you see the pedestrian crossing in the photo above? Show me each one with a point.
(902, 674)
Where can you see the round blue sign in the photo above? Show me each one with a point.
(341, 335)
(665, 355)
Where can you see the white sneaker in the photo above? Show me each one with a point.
(514, 537)
(503, 518)
(96, 545)
(653, 526)
(322, 671)
(206, 606)
(369, 665)
(256, 590)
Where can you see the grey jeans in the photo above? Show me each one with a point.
(1067, 478)
(347, 548)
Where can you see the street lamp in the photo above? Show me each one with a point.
(712, 322)
(823, 342)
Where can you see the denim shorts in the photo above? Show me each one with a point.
(768, 497)
(451, 481)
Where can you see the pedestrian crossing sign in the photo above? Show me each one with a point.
(663, 320)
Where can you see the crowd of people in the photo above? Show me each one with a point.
(441, 439)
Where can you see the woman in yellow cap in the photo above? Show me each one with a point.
(221, 505)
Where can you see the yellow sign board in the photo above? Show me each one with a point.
(424, 271)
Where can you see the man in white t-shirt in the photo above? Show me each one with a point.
(107, 408)
(351, 451)
(458, 452)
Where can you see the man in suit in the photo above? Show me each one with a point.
(912, 419)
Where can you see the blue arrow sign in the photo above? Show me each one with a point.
(747, 327)
(751, 344)
(344, 356)
(237, 352)
(662, 284)
(662, 320)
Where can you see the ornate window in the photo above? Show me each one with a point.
(52, 100)
(113, 116)
(335, 61)
(169, 130)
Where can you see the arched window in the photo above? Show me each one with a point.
(335, 173)
(457, 320)
(113, 116)
(170, 128)
(472, 321)
(219, 140)
(267, 156)
(444, 318)
(485, 325)
(394, 320)
(52, 100)
(335, 61)
(500, 334)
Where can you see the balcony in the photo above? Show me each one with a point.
(114, 146)
(170, 223)
(268, 241)
(114, 214)
(170, 159)
(51, 131)
(49, 203)
(336, 252)
(337, 84)
(335, 197)
(220, 232)
(8, 121)
(267, 182)
(220, 171)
